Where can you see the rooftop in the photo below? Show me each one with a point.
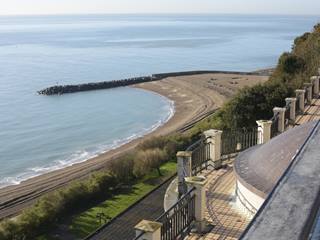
(260, 167)
(290, 210)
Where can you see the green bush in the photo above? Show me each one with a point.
(50, 208)
(122, 167)
(147, 160)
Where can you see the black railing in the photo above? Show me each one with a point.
(200, 156)
(305, 95)
(287, 115)
(274, 125)
(177, 221)
(140, 236)
(298, 104)
(234, 141)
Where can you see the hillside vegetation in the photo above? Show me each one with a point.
(255, 103)
(250, 104)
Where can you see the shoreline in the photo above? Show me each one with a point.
(117, 143)
(193, 95)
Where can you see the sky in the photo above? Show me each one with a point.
(17, 7)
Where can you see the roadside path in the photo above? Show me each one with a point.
(122, 227)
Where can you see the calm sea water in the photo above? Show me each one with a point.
(40, 134)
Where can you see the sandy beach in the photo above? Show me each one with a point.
(194, 96)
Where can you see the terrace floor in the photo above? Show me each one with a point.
(312, 112)
(226, 220)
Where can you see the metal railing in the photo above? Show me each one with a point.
(234, 141)
(305, 96)
(140, 236)
(287, 115)
(177, 221)
(274, 125)
(298, 104)
(200, 156)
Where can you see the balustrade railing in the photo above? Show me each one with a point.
(305, 96)
(298, 104)
(274, 125)
(287, 115)
(177, 221)
(140, 236)
(234, 141)
(200, 155)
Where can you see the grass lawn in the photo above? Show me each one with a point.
(87, 222)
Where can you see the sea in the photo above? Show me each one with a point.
(39, 134)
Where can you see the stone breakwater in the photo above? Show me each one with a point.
(63, 89)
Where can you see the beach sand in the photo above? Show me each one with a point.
(194, 96)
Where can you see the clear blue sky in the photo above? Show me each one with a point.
(159, 6)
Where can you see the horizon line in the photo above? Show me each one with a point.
(160, 13)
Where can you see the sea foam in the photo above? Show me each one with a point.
(85, 155)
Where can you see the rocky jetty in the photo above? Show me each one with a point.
(62, 89)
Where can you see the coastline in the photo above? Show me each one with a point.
(191, 99)
(58, 165)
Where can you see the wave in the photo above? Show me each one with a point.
(85, 155)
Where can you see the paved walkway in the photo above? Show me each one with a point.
(312, 113)
(122, 227)
(221, 213)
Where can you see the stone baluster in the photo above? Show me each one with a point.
(309, 91)
(151, 230)
(292, 103)
(300, 94)
(264, 131)
(213, 138)
(315, 81)
(184, 169)
(281, 121)
(199, 183)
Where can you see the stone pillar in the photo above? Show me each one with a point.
(315, 81)
(184, 170)
(200, 201)
(309, 91)
(300, 94)
(213, 138)
(281, 112)
(292, 102)
(264, 131)
(151, 230)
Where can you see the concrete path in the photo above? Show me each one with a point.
(311, 113)
(122, 227)
(226, 220)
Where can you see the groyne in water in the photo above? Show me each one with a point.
(63, 89)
